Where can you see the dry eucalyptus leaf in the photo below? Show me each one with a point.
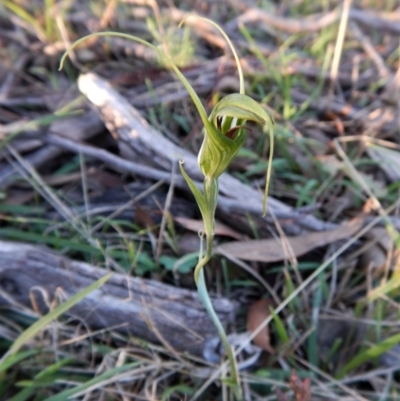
(273, 250)
(197, 225)
(257, 313)
(301, 389)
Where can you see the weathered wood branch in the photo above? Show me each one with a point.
(143, 308)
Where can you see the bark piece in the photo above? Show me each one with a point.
(148, 308)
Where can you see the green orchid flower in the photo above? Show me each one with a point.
(224, 134)
(228, 132)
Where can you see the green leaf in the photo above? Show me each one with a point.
(280, 327)
(183, 265)
(174, 390)
(369, 354)
(196, 192)
(68, 394)
(42, 379)
(13, 359)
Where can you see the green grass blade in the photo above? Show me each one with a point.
(69, 393)
(49, 19)
(280, 327)
(312, 341)
(369, 355)
(13, 359)
(31, 386)
(24, 394)
(174, 390)
(391, 285)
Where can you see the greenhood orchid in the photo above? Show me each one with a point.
(224, 134)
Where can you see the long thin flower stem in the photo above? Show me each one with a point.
(210, 195)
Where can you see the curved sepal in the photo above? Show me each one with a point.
(241, 107)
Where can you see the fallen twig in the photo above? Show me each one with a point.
(124, 301)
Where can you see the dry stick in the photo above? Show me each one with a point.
(78, 127)
(154, 328)
(85, 190)
(380, 21)
(202, 28)
(162, 33)
(107, 14)
(114, 161)
(370, 374)
(294, 294)
(63, 30)
(315, 22)
(312, 23)
(177, 312)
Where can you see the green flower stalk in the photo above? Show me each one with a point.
(224, 134)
